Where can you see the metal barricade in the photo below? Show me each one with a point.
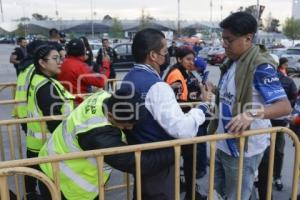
(11, 85)
(16, 151)
(17, 166)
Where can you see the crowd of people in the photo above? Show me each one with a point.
(254, 92)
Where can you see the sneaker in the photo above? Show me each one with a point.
(278, 184)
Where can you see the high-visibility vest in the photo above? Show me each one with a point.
(23, 81)
(34, 139)
(175, 75)
(78, 178)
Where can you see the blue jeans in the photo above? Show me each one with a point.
(226, 175)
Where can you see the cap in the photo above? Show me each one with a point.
(75, 48)
(200, 63)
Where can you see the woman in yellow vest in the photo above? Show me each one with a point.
(45, 97)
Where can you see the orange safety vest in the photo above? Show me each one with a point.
(175, 75)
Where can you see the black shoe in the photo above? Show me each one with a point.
(197, 197)
(278, 184)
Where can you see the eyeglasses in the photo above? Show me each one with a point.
(162, 54)
(58, 59)
(228, 41)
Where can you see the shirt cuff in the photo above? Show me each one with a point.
(204, 107)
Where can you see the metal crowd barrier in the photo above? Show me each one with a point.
(16, 151)
(11, 85)
(15, 167)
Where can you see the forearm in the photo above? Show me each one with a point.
(277, 109)
(151, 161)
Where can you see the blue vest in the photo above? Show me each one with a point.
(147, 129)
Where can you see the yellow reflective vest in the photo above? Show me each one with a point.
(78, 178)
(34, 138)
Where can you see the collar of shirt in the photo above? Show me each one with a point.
(147, 68)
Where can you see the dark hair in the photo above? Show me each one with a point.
(145, 41)
(124, 106)
(20, 39)
(240, 23)
(53, 32)
(282, 61)
(41, 53)
(104, 39)
(75, 47)
(86, 43)
(34, 45)
(183, 51)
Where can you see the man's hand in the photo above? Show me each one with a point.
(239, 123)
(206, 93)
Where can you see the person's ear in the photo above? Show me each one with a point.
(152, 55)
(42, 63)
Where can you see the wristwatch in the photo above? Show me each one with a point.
(252, 113)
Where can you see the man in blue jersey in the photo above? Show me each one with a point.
(164, 119)
(249, 95)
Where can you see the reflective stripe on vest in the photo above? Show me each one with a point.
(21, 91)
(79, 178)
(34, 140)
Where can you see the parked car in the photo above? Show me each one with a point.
(293, 56)
(216, 55)
(6, 41)
(95, 46)
(203, 52)
(124, 60)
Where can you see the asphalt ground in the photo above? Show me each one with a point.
(7, 74)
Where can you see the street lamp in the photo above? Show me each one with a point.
(2, 16)
(178, 19)
(92, 18)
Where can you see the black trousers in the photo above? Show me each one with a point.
(278, 161)
(31, 182)
(187, 154)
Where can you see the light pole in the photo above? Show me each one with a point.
(210, 18)
(178, 17)
(257, 11)
(2, 16)
(92, 19)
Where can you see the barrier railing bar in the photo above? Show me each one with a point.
(55, 168)
(296, 166)
(19, 141)
(43, 130)
(137, 156)
(271, 165)
(194, 171)
(11, 142)
(212, 170)
(2, 145)
(177, 149)
(100, 163)
(55, 192)
(4, 194)
(128, 184)
(241, 166)
(139, 147)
